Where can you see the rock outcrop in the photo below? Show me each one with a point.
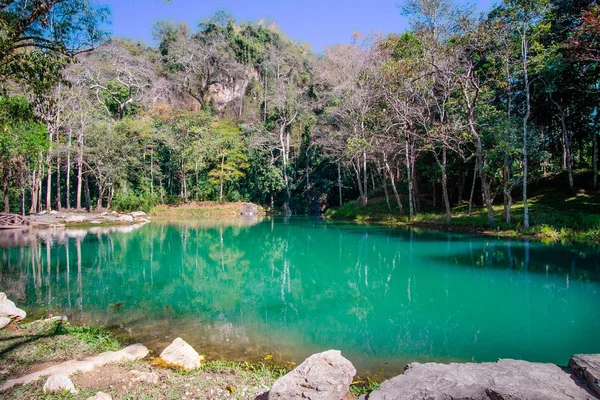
(587, 366)
(9, 309)
(181, 354)
(130, 353)
(59, 383)
(505, 379)
(248, 209)
(322, 376)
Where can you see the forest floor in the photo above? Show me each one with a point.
(32, 346)
(556, 214)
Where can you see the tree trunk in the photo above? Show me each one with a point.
(485, 184)
(34, 192)
(364, 200)
(392, 180)
(221, 181)
(409, 176)
(5, 191)
(58, 202)
(79, 169)
(595, 159)
(525, 120)
(68, 177)
(415, 180)
(473, 189)
(88, 198)
(339, 170)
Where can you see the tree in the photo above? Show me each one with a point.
(22, 138)
(35, 36)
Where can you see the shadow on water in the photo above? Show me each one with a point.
(243, 290)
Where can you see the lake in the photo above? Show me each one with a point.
(248, 289)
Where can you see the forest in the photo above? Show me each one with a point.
(459, 109)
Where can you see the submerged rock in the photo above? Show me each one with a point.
(59, 383)
(8, 308)
(505, 379)
(181, 354)
(587, 366)
(322, 376)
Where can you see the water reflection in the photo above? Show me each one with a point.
(241, 290)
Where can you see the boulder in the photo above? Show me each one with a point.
(147, 377)
(75, 218)
(100, 396)
(8, 308)
(322, 376)
(4, 321)
(137, 214)
(182, 355)
(248, 209)
(502, 380)
(587, 366)
(59, 383)
(126, 218)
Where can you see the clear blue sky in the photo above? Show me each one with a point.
(318, 22)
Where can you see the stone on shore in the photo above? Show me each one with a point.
(130, 353)
(75, 218)
(59, 383)
(505, 379)
(137, 214)
(587, 366)
(8, 309)
(181, 354)
(100, 396)
(322, 376)
(248, 209)
(126, 218)
(4, 321)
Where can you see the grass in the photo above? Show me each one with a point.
(556, 214)
(44, 342)
(200, 209)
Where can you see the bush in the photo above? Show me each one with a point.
(133, 202)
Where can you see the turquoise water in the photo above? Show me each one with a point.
(384, 297)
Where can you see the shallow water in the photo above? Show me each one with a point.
(243, 289)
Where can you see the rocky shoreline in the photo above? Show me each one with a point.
(329, 376)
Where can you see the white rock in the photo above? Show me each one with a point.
(4, 321)
(136, 214)
(126, 218)
(322, 376)
(181, 354)
(59, 383)
(8, 308)
(75, 218)
(52, 212)
(100, 396)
